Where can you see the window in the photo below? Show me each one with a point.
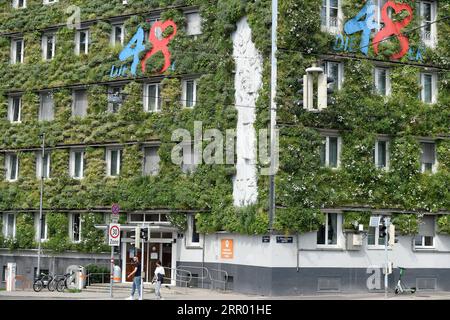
(381, 154)
(17, 48)
(330, 15)
(50, 1)
(4, 273)
(373, 237)
(192, 236)
(428, 82)
(48, 46)
(117, 34)
(44, 230)
(334, 70)
(382, 81)
(189, 93)
(80, 103)
(46, 112)
(428, 161)
(113, 162)
(14, 108)
(193, 24)
(76, 165)
(152, 21)
(428, 29)
(380, 4)
(82, 42)
(152, 97)
(151, 161)
(10, 225)
(330, 152)
(12, 167)
(115, 99)
(425, 238)
(46, 173)
(328, 233)
(76, 227)
(19, 4)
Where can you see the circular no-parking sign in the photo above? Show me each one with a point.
(115, 208)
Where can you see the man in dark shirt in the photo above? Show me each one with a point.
(137, 278)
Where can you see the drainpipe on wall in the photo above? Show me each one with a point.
(298, 254)
(203, 259)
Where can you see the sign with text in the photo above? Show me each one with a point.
(283, 239)
(226, 249)
(114, 234)
(266, 239)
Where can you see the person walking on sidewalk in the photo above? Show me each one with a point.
(158, 279)
(137, 278)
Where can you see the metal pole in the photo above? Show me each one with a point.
(273, 113)
(111, 275)
(40, 206)
(386, 224)
(142, 267)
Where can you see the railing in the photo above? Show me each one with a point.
(203, 269)
(224, 282)
(104, 276)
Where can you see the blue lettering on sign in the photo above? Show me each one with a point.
(133, 48)
(366, 26)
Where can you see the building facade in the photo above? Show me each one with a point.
(135, 101)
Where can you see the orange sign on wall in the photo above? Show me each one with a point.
(226, 249)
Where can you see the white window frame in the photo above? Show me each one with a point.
(197, 19)
(158, 99)
(13, 56)
(184, 93)
(327, 70)
(6, 225)
(434, 167)
(111, 93)
(189, 234)
(41, 105)
(11, 108)
(113, 34)
(380, 4)
(72, 163)
(15, 4)
(71, 227)
(39, 164)
(74, 94)
(108, 161)
(44, 43)
(377, 72)
(430, 41)
(388, 154)
(423, 246)
(327, 151)
(50, 1)
(434, 87)
(78, 43)
(338, 231)
(327, 27)
(8, 167)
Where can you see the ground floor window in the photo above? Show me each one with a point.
(328, 233)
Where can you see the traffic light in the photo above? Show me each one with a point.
(382, 228)
(144, 234)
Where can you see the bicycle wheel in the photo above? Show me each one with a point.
(52, 285)
(61, 285)
(37, 285)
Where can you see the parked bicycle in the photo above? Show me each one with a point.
(401, 287)
(65, 282)
(43, 281)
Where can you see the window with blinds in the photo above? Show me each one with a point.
(80, 103)
(151, 161)
(46, 110)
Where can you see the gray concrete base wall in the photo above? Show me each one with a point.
(306, 281)
(26, 263)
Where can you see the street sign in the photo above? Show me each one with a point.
(266, 239)
(115, 209)
(114, 234)
(374, 221)
(283, 239)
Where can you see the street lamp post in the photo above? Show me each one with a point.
(40, 205)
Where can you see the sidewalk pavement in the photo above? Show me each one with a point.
(206, 294)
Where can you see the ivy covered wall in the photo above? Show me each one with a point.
(303, 187)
